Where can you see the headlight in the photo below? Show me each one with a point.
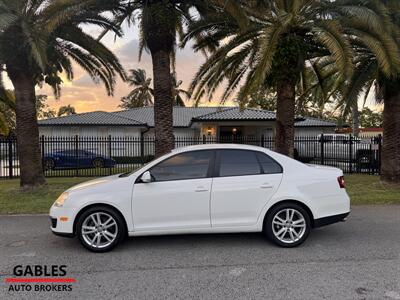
(61, 199)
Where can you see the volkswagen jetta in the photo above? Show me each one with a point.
(205, 189)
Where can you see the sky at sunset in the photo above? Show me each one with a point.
(86, 96)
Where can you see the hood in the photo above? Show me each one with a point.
(95, 182)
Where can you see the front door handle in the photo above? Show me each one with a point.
(266, 186)
(201, 189)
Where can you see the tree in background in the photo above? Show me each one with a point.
(262, 99)
(273, 49)
(370, 118)
(177, 91)
(43, 110)
(66, 110)
(142, 93)
(38, 40)
(160, 21)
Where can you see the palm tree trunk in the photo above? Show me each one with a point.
(285, 114)
(29, 155)
(163, 122)
(390, 167)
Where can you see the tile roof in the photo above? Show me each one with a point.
(314, 122)
(91, 118)
(235, 113)
(182, 116)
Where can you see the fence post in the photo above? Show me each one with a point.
(204, 138)
(42, 144)
(142, 149)
(109, 152)
(262, 141)
(379, 153)
(350, 153)
(76, 156)
(322, 149)
(10, 157)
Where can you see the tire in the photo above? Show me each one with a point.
(49, 164)
(288, 234)
(100, 238)
(98, 163)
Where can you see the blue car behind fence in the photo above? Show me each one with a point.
(76, 159)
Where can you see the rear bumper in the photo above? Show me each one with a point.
(330, 220)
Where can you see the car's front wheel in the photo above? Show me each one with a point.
(100, 229)
(287, 225)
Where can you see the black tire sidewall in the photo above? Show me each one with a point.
(52, 162)
(268, 224)
(120, 223)
(98, 160)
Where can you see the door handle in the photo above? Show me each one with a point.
(266, 186)
(201, 189)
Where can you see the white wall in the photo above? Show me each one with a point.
(312, 131)
(90, 131)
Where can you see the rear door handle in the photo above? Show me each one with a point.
(201, 189)
(266, 186)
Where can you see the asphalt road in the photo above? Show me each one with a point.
(359, 259)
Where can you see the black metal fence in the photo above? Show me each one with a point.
(101, 156)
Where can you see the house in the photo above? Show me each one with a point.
(366, 133)
(188, 122)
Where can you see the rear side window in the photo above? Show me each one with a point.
(238, 163)
(188, 165)
(268, 165)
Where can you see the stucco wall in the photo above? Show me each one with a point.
(90, 131)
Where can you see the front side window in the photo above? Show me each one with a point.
(188, 165)
(238, 163)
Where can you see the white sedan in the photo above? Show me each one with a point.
(205, 189)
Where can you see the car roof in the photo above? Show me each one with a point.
(219, 146)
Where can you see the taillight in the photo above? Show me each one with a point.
(341, 182)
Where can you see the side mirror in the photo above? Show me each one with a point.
(146, 177)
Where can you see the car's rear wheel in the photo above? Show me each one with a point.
(49, 164)
(98, 163)
(287, 225)
(100, 229)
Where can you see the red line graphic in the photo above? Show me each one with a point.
(40, 279)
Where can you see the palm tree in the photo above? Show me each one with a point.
(38, 40)
(66, 110)
(159, 23)
(177, 91)
(142, 94)
(377, 65)
(280, 40)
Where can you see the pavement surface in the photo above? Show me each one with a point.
(358, 259)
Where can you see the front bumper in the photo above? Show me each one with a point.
(62, 221)
(330, 220)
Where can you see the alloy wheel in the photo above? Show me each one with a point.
(288, 225)
(99, 230)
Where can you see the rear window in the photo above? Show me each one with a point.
(268, 165)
